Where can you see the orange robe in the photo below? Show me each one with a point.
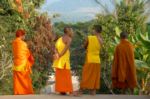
(123, 68)
(63, 81)
(23, 60)
(90, 76)
(91, 68)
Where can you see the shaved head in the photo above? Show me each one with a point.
(123, 35)
(97, 28)
(66, 29)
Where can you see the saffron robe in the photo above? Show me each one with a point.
(23, 60)
(123, 68)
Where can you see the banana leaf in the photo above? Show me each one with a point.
(142, 66)
(118, 31)
(145, 41)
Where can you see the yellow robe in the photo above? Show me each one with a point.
(63, 60)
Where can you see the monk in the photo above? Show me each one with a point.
(123, 67)
(91, 69)
(61, 63)
(23, 61)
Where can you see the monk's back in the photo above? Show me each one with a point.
(124, 47)
(93, 50)
(123, 50)
(124, 69)
(20, 51)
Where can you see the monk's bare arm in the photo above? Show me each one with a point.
(101, 39)
(55, 50)
(85, 44)
(55, 54)
(68, 42)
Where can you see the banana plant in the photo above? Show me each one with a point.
(5, 63)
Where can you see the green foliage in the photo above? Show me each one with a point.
(5, 71)
(148, 27)
(131, 14)
(38, 3)
(11, 20)
(129, 18)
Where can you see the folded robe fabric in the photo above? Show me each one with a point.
(90, 76)
(63, 81)
(23, 60)
(123, 68)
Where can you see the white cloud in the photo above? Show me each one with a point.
(92, 10)
(80, 14)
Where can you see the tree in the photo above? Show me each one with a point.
(11, 20)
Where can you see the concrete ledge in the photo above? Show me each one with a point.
(53, 96)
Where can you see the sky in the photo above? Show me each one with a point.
(74, 10)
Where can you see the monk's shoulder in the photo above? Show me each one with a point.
(68, 39)
(120, 47)
(15, 41)
(58, 39)
(130, 45)
(22, 43)
(89, 36)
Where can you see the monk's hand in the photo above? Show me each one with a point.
(55, 56)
